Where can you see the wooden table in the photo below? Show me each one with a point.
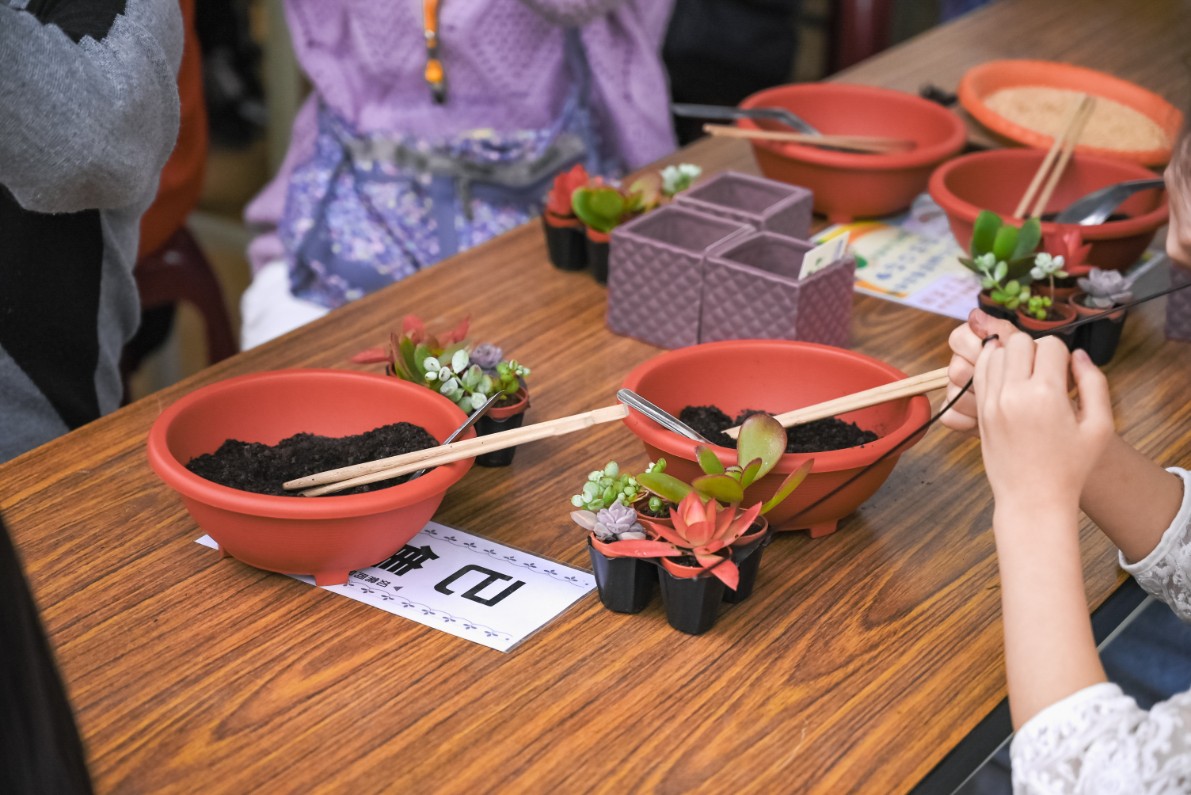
(860, 661)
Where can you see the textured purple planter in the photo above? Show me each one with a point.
(751, 290)
(764, 204)
(655, 273)
(1178, 306)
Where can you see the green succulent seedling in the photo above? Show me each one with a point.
(1012, 245)
(1038, 306)
(760, 446)
(1002, 255)
(600, 207)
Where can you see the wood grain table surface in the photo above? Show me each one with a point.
(860, 661)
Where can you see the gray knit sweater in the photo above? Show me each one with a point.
(88, 116)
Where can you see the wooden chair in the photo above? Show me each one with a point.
(857, 30)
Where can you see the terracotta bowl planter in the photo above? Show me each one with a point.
(327, 537)
(781, 375)
(997, 179)
(849, 185)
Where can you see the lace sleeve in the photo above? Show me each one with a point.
(1166, 571)
(1099, 741)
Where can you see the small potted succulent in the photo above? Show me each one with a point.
(610, 506)
(467, 374)
(566, 243)
(1041, 314)
(1101, 290)
(1067, 246)
(602, 205)
(1002, 255)
(711, 551)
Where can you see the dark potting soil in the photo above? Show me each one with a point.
(818, 436)
(260, 468)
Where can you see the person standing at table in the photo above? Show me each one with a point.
(1047, 457)
(435, 126)
(88, 116)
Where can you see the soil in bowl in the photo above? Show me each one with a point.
(262, 469)
(818, 436)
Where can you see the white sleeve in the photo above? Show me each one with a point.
(1099, 741)
(1166, 571)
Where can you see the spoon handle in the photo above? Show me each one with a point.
(659, 415)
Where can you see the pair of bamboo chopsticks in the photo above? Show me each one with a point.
(855, 143)
(1057, 157)
(382, 469)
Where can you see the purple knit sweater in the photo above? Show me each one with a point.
(505, 67)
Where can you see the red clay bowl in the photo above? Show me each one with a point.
(996, 180)
(330, 536)
(849, 185)
(777, 376)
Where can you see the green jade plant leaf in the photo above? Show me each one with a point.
(1002, 255)
(600, 207)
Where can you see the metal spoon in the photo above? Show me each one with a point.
(472, 419)
(1098, 205)
(722, 112)
(659, 415)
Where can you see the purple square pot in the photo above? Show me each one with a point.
(751, 290)
(764, 204)
(655, 273)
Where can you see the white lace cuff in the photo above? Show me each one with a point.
(1166, 571)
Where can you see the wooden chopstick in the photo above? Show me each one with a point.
(1052, 166)
(856, 143)
(908, 387)
(335, 480)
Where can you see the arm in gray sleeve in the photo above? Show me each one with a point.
(88, 125)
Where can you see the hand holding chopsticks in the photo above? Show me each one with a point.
(1055, 162)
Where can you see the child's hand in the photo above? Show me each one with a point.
(966, 342)
(1038, 446)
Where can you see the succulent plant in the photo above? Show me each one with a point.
(1009, 244)
(465, 374)
(703, 529)
(558, 200)
(1038, 306)
(607, 487)
(603, 205)
(617, 522)
(676, 179)
(760, 446)
(1105, 289)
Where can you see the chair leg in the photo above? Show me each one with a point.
(179, 271)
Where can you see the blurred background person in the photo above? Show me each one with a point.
(434, 127)
(84, 132)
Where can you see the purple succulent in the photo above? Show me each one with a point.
(1105, 288)
(486, 355)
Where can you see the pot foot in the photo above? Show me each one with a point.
(331, 577)
(820, 530)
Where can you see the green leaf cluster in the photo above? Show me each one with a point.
(760, 446)
(1002, 255)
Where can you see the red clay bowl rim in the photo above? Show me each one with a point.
(917, 157)
(669, 442)
(169, 469)
(974, 103)
(952, 204)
